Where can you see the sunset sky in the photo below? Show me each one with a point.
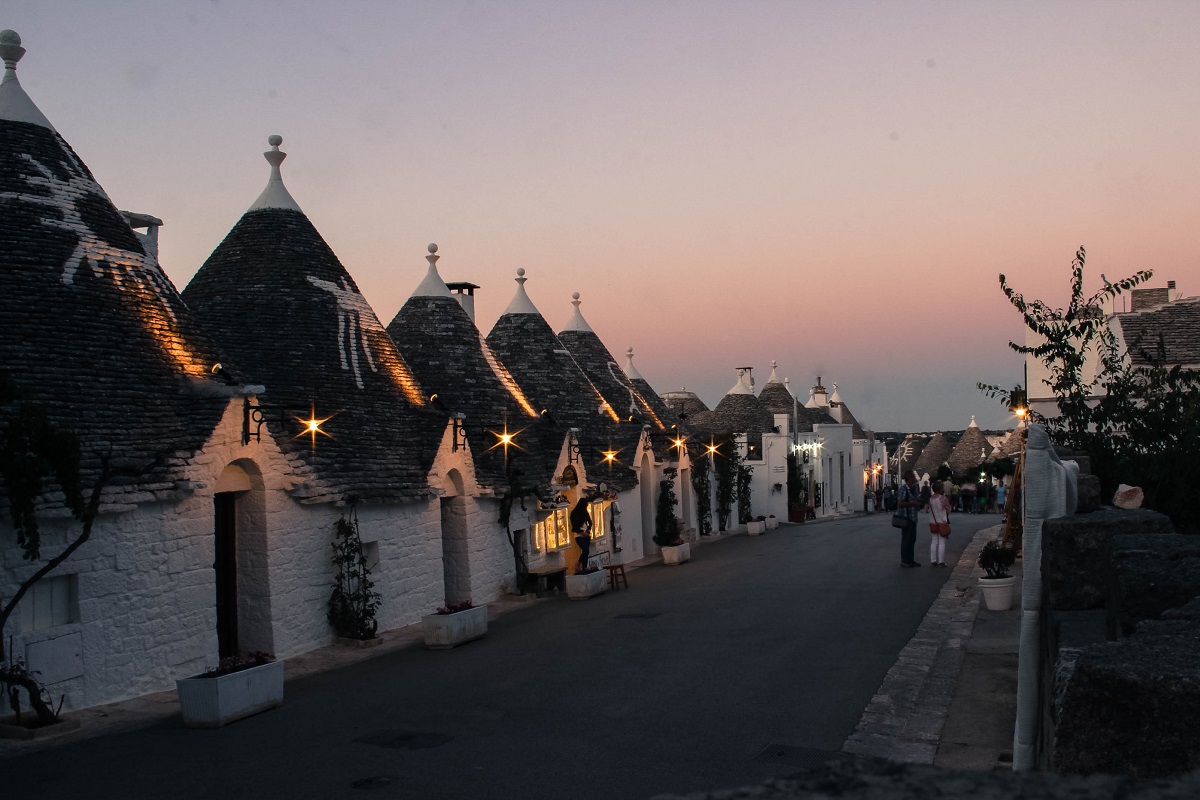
(835, 186)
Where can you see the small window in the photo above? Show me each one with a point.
(52, 602)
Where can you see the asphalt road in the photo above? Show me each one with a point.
(678, 685)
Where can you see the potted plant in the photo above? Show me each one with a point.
(588, 583)
(453, 624)
(239, 687)
(674, 549)
(756, 526)
(772, 522)
(997, 584)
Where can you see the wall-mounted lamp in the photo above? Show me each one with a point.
(459, 439)
(1018, 404)
(610, 456)
(573, 445)
(254, 416)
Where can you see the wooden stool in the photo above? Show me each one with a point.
(616, 576)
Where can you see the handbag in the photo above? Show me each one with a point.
(900, 521)
(940, 528)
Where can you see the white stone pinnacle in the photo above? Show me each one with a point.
(577, 322)
(629, 369)
(521, 304)
(15, 105)
(276, 194)
(432, 285)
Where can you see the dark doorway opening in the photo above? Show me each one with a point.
(225, 565)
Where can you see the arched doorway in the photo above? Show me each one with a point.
(240, 564)
(647, 482)
(456, 555)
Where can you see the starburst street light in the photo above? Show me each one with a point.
(505, 439)
(711, 449)
(312, 426)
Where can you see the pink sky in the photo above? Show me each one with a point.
(831, 185)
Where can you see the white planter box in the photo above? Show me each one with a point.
(998, 592)
(756, 527)
(213, 702)
(772, 523)
(677, 554)
(581, 587)
(443, 631)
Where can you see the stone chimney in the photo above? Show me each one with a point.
(464, 293)
(149, 239)
(1172, 294)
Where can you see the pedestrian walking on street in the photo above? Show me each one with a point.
(908, 505)
(939, 515)
(926, 493)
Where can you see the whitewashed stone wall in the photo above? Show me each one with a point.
(146, 584)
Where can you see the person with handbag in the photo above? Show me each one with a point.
(939, 525)
(908, 504)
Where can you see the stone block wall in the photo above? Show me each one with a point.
(1076, 553)
(1125, 697)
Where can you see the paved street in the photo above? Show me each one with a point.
(677, 685)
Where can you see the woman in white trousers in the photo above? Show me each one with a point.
(939, 514)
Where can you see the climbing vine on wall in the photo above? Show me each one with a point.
(744, 476)
(701, 486)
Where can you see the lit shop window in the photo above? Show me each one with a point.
(552, 533)
(599, 523)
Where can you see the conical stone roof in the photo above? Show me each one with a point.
(1011, 447)
(91, 328)
(552, 380)
(276, 298)
(610, 379)
(673, 425)
(447, 354)
(906, 455)
(741, 412)
(933, 455)
(972, 450)
(778, 399)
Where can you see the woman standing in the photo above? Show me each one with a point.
(939, 513)
(581, 526)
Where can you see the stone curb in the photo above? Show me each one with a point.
(904, 720)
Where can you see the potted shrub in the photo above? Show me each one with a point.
(667, 536)
(772, 522)
(756, 526)
(996, 560)
(453, 624)
(583, 585)
(239, 687)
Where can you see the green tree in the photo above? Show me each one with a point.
(1139, 422)
(666, 526)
